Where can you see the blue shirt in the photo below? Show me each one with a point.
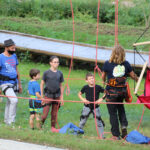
(8, 68)
(33, 87)
(115, 70)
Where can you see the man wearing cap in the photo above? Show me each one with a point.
(9, 80)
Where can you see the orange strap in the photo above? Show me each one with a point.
(112, 82)
(129, 99)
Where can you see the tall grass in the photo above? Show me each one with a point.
(85, 32)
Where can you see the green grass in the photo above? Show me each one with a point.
(85, 32)
(70, 112)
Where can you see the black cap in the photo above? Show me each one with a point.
(8, 43)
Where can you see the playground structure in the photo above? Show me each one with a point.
(61, 48)
(95, 57)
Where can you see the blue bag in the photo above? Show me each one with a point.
(137, 138)
(70, 128)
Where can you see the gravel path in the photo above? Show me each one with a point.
(14, 145)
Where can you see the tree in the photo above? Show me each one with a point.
(145, 6)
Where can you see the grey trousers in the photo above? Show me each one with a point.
(84, 116)
(11, 104)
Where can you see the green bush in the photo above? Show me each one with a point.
(83, 10)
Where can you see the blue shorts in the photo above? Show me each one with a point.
(35, 107)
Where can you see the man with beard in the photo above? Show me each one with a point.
(9, 80)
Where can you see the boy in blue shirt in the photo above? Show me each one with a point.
(34, 105)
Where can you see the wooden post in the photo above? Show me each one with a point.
(140, 78)
(141, 43)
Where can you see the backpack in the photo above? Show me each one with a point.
(137, 138)
(70, 128)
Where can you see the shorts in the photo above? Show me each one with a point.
(35, 107)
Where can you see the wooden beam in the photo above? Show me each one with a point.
(140, 78)
(141, 43)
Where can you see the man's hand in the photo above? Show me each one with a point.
(20, 89)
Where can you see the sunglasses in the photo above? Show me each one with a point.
(55, 62)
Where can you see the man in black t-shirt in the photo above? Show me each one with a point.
(88, 106)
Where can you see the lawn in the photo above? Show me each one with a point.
(71, 112)
(85, 32)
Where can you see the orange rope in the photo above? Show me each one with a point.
(67, 85)
(141, 118)
(96, 68)
(71, 101)
(116, 22)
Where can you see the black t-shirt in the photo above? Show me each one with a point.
(52, 80)
(89, 92)
(114, 70)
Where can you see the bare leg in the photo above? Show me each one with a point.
(31, 121)
(38, 121)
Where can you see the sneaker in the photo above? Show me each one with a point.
(103, 137)
(124, 132)
(54, 130)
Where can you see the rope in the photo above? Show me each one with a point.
(146, 29)
(96, 68)
(141, 118)
(142, 34)
(139, 54)
(99, 72)
(116, 23)
(134, 67)
(71, 101)
(67, 85)
(71, 64)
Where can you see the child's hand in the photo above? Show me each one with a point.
(103, 82)
(99, 101)
(43, 103)
(61, 101)
(86, 101)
